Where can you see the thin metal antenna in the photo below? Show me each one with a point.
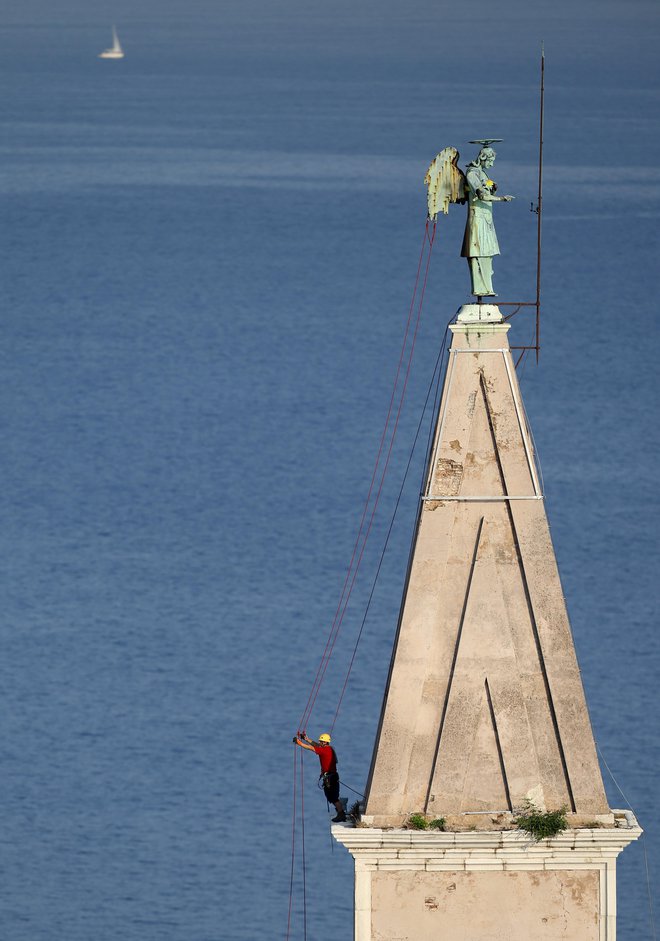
(539, 209)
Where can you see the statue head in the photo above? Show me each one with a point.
(486, 157)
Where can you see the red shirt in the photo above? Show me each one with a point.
(327, 758)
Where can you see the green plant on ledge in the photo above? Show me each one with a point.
(418, 822)
(541, 825)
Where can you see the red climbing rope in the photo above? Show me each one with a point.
(364, 530)
(386, 465)
(294, 822)
(293, 841)
(437, 370)
(302, 843)
(363, 535)
(320, 671)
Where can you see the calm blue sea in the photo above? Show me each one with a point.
(208, 251)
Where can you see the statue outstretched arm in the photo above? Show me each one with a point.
(486, 196)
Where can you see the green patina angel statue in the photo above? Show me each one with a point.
(447, 184)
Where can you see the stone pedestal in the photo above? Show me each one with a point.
(479, 313)
(486, 885)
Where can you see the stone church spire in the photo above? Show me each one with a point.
(484, 705)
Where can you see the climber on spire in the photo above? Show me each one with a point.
(329, 776)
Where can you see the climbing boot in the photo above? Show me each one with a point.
(340, 818)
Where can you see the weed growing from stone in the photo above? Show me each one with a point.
(418, 822)
(541, 825)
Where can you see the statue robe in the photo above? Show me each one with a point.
(480, 240)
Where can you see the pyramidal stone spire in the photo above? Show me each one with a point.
(484, 708)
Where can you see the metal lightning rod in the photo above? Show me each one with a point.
(539, 210)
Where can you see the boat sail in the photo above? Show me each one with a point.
(115, 51)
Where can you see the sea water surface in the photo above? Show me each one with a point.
(208, 253)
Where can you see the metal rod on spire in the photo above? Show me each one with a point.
(539, 210)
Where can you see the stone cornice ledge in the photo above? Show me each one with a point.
(396, 848)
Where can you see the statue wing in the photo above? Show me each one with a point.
(446, 182)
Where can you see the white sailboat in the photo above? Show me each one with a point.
(115, 51)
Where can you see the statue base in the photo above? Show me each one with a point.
(479, 313)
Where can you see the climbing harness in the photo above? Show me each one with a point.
(328, 779)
